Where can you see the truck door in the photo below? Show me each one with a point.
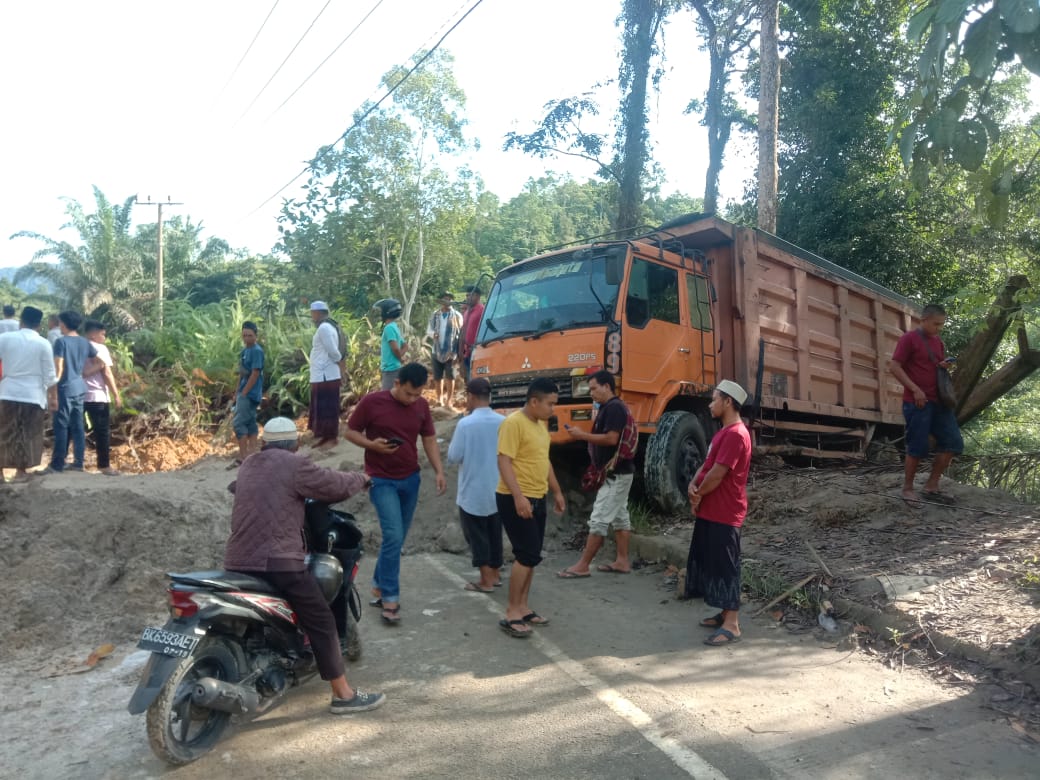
(655, 346)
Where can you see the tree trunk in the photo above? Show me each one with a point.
(973, 359)
(1000, 382)
(768, 114)
(641, 22)
(718, 124)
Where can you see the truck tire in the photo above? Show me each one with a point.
(673, 455)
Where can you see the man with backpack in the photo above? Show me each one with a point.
(612, 448)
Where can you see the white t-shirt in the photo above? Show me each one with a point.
(8, 325)
(53, 335)
(97, 388)
(28, 367)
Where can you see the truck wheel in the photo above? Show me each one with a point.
(673, 455)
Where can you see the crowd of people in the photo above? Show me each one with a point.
(65, 373)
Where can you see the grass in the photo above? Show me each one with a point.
(643, 518)
(763, 585)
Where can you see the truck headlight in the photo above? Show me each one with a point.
(579, 386)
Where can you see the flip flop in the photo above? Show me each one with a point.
(475, 588)
(534, 619)
(715, 621)
(394, 616)
(509, 626)
(730, 638)
(376, 602)
(938, 497)
(567, 574)
(606, 568)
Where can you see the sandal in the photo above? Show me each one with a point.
(722, 637)
(391, 616)
(938, 497)
(715, 621)
(376, 602)
(534, 619)
(510, 627)
(475, 588)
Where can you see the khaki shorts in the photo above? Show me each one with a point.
(611, 505)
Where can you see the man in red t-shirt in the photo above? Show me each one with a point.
(387, 424)
(718, 499)
(470, 324)
(917, 356)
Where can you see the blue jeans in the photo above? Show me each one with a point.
(68, 421)
(394, 501)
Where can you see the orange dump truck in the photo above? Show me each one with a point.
(673, 312)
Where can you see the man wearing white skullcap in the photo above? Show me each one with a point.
(718, 499)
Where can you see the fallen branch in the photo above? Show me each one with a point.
(785, 594)
(819, 560)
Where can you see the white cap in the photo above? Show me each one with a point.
(280, 429)
(733, 390)
(319, 306)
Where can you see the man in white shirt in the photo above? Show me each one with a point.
(8, 323)
(101, 390)
(326, 379)
(28, 388)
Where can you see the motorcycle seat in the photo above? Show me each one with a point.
(223, 580)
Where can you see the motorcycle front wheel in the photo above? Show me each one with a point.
(178, 731)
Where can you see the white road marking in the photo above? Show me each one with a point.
(684, 758)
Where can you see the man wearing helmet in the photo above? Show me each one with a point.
(393, 346)
(267, 541)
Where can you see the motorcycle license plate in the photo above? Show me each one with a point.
(159, 640)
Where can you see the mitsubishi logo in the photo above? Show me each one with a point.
(526, 363)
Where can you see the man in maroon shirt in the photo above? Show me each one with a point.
(470, 324)
(386, 424)
(917, 355)
(718, 499)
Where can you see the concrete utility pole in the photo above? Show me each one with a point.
(159, 227)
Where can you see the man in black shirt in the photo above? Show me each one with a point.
(611, 505)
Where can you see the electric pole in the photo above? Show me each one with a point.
(159, 229)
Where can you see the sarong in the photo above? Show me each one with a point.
(21, 435)
(713, 567)
(324, 409)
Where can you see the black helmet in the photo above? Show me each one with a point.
(389, 308)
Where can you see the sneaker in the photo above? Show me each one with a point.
(362, 702)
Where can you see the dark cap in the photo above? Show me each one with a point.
(479, 387)
(472, 288)
(446, 294)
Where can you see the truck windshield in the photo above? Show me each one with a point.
(546, 295)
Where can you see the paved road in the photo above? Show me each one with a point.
(619, 686)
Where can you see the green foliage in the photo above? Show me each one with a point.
(966, 48)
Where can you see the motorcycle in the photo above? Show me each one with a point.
(232, 649)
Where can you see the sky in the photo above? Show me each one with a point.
(143, 98)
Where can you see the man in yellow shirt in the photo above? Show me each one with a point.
(526, 475)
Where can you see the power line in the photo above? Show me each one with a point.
(287, 56)
(248, 48)
(329, 57)
(371, 108)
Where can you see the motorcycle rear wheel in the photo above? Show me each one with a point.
(178, 731)
(352, 651)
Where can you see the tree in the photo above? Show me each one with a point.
(727, 30)
(381, 216)
(768, 113)
(102, 273)
(966, 47)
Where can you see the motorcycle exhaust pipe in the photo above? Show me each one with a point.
(224, 696)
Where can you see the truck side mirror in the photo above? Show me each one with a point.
(616, 265)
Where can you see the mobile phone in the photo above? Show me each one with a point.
(395, 441)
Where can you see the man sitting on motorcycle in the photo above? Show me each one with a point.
(267, 540)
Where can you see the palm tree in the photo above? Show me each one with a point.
(103, 272)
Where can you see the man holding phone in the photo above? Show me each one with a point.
(387, 424)
(917, 355)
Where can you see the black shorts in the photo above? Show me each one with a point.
(484, 536)
(444, 370)
(526, 535)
